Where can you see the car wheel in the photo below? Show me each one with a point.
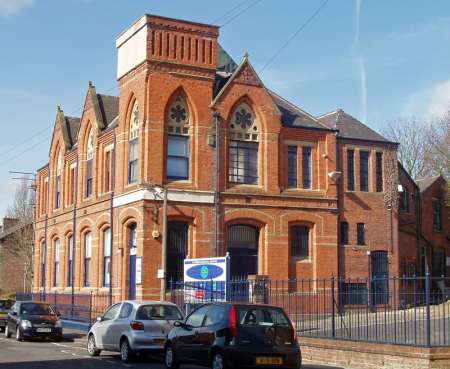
(169, 358)
(18, 334)
(7, 332)
(92, 347)
(218, 362)
(126, 354)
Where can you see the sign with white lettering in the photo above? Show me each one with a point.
(206, 279)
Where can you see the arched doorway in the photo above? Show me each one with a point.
(243, 243)
(132, 246)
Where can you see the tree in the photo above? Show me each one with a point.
(437, 156)
(412, 136)
(20, 243)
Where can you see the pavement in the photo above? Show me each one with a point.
(71, 353)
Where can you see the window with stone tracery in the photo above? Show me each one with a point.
(178, 145)
(243, 146)
(133, 146)
(89, 164)
(59, 169)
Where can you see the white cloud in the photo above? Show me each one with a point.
(357, 19)
(439, 102)
(11, 7)
(363, 81)
(431, 101)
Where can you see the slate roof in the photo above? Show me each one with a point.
(350, 127)
(424, 183)
(73, 126)
(293, 116)
(109, 106)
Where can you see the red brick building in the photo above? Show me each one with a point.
(289, 194)
(424, 226)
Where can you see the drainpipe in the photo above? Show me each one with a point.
(74, 232)
(216, 117)
(111, 218)
(44, 274)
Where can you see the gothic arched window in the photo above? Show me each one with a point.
(89, 163)
(178, 140)
(243, 146)
(59, 170)
(133, 146)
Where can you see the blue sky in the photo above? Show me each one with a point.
(377, 60)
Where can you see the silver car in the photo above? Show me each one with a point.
(130, 327)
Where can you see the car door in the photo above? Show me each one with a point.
(13, 316)
(119, 325)
(186, 335)
(206, 334)
(102, 327)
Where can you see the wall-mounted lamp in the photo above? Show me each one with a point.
(335, 175)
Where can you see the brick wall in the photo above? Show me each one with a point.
(170, 70)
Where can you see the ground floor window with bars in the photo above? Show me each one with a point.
(299, 241)
(177, 250)
(351, 293)
(243, 162)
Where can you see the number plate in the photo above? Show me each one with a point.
(43, 330)
(269, 360)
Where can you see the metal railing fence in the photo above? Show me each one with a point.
(408, 310)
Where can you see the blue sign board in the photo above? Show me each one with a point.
(206, 279)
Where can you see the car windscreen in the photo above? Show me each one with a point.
(158, 312)
(5, 305)
(262, 316)
(36, 309)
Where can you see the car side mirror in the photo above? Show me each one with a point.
(179, 323)
(99, 319)
(14, 313)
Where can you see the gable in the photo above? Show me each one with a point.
(247, 76)
(244, 74)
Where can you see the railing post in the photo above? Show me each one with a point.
(90, 308)
(333, 321)
(427, 303)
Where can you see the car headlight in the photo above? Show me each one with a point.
(26, 324)
(58, 324)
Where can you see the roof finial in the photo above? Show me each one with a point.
(90, 84)
(246, 55)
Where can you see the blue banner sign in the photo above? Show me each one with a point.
(205, 279)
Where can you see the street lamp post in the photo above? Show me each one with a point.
(161, 191)
(164, 244)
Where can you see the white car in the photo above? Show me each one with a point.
(130, 327)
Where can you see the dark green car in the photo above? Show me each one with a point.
(5, 306)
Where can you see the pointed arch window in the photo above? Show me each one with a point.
(243, 146)
(133, 146)
(178, 145)
(107, 257)
(57, 249)
(87, 258)
(59, 169)
(89, 164)
(70, 261)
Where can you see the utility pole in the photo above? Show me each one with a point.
(216, 117)
(33, 188)
(159, 190)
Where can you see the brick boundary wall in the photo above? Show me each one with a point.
(364, 355)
